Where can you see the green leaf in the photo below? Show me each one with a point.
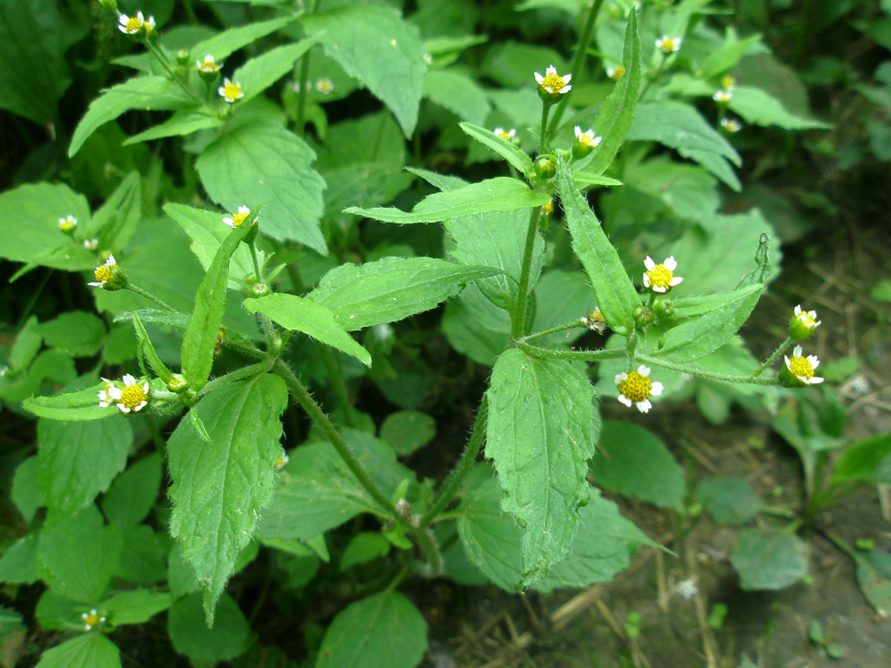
(757, 107)
(499, 194)
(391, 289)
(229, 637)
(635, 462)
(514, 155)
(152, 93)
(133, 493)
(615, 116)
(33, 38)
(459, 93)
(78, 333)
(71, 406)
(77, 556)
(220, 487)
(181, 124)
(200, 338)
(679, 126)
(769, 559)
(18, 565)
(722, 59)
(258, 164)
(541, 433)
(384, 629)
(147, 349)
(27, 344)
(861, 461)
(707, 333)
(115, 222)
(365, 546)
(318, 492)
(229, 41)
(90, 650)
(615, 292)
(142, 559)
(135, 607)
(78, 460)
(874, 579)
(729, 500)
(302, 315)
(374, 44)
(32, 235)
(259, 73)
(407, 431)
(493, 542)
(25, 492)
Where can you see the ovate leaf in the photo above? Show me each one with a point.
(768, 558)
(220, 487)
(729, 500)
(391, 289)
(541, 433)
(181, 124)
(615, 292)
(498, 194)
(132, 495)
(259, 73)
(516, 156)
(874, 578)
(261, 164)
(90, 650)
(229, 637)
(302, 315)
(230, 41)
(758, 107)
(458, 93)
(862, 461)
(384, 629)
(374, 44)
(135, 607)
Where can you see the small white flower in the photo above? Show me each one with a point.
(67, 224)
(91, 244)
(324, 85)
(92, 619)
(802, 368)
(660, 277)
(230, 91)
(105, 396)
(668, 44)
(104, 272)
(149, 26)
(587, 138)
(427, 58)
(552, 82)
(686, 589)
(730, 125)
(133, 397)
(131, 25)
(208, 66)
(237, 219)
(282, 461)
(507, 135)
(636, 388)
(808, 319)
(722, 96)
(615, 72)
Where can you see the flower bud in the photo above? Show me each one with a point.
(663, 309)
(803, 324)
(545, 167)
(182, 57)
(644, 316)
(177, 383)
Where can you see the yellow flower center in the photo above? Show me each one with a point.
(548, 207)
(132, 396)
(102, 273)
(669, 44)
(324, 86)
(660, 277)
(504, 134)
(636, 387)
(91, 618)
(280, 462)
(239, 218)
(553, 83)
(800, 367)
(728, 81)
(132, 24)
(232, 91)
(806, 320)
(617, 72)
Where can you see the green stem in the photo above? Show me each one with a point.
(332, 435)
(576, 355)
(574, 324)
(456, 477)
(248, 371)
(256, 262)
(427, 542)
(702, 373)
(335, 375)
(148, 295)
(159, 55)
(518, 313)
(577, 61)
(543, 139)
(782, 348)
(304, 80)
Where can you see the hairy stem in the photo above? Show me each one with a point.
(774, 356)
(577, 355)
(335, 375)
(148, 295)
(574, 324)
(518, 313)
(702, 373)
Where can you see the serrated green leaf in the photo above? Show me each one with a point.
(18, 565)
(71, 406)
(258, 164)
(219, 487)
(406, 431)
(79, 333)
(541, 433)
(633, 461)
(729, 500)
(384, 629)
(116, 220)
(514, 155)
(147, 349)
(615, 292)
(707, 333)
(768, 559)
(78, 460)
(78, 556)
(90, 650)
(229, 637)
(499, 194)
(374, 44)
(757, 107)
(135, 607)
(32, 235)
(229, 41)
(861, 461)
(199, 340)
(153, 93)
(133, 493)
(722, 59)
(181, 124)
(318, 492)
(391, 289)
(259, 73)
(303, 315)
